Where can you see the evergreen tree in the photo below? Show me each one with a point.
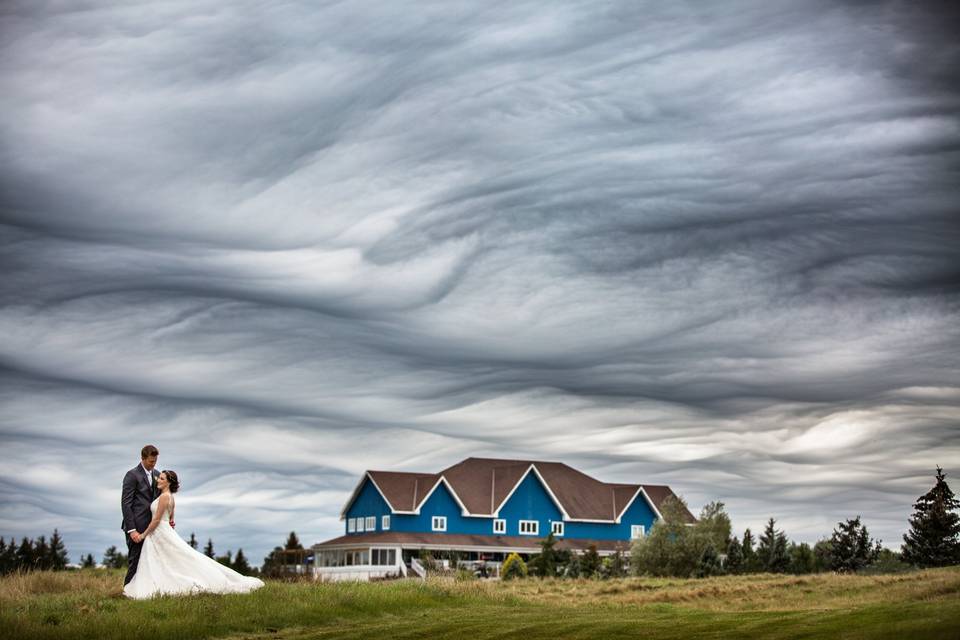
(801, 558)
(672, 548)
(750, 563)
(772, 550)
(293, 542)
(208, 550)
(58, 558)
(88, 562)
(934, 536)
(41, 554)
(240, 564)
(734, 563)
(193, 541)
(273, 565)
(545, 563)
(590, 562)
(226, 560)
(513, 567)
(24, 557)
(113, 559)
(709, 564)
(851, 547)
(3, 557)
(573, 566)
(822, 555)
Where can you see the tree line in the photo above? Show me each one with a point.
(707, 548)
(51, 555)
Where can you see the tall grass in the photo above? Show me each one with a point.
(89, 604)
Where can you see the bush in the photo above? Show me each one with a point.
(513, 567)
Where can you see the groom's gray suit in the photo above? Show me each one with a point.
(135, 500)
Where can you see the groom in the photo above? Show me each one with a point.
(139, 491)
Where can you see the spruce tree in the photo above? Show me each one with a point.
(590, 562)
(772, 550)
(226, 560)
(3, 557)
(193, 541)
(851, 548)
(88, 562)
(573, 566)
(750, 563)
(293, 542)
(934, 536)
(24, 557)
(208, 550)
(734, 563)
(113, 559)
(41, 554)
(709, 564)
(58, 558)
(545, 563)
(801, 558)
(240, 564)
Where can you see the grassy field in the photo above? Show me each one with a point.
(88, 604)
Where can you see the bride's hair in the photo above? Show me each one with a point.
(174, 482)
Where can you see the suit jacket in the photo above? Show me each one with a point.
(136, 497)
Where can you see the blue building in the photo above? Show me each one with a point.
(483, 509)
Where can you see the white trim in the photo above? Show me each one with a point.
(546, 487)
(356, 492)
(501, 524)
(640, 491)
(637, 531)
(385, 522)
(556, 528)
(371, 523)
(352, 525)
(463, 507)
(438, 523)
(534, 532)
(360, 528)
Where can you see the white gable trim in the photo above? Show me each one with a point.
(640, 491)
(533, 467)
(463, 508)
(356, 492)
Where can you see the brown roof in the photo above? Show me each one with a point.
(483, 484)
(418, 540)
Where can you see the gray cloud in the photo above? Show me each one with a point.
(708, 246)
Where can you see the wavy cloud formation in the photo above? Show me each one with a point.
(710, 246)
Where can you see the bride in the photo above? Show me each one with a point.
(170, 566)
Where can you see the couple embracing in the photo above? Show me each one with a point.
(160, 561)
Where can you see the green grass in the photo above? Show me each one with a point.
(88, 604)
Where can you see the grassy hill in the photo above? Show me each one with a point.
(88, 604)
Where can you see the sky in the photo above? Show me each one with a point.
(710, 245)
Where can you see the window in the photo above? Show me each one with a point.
(371, 523)
(359, 525)
(556, 528)
(529, 527)
(637, 531)
(351, 525)
(439, 523)
(499, 526)
(385, 523)
(383, 557)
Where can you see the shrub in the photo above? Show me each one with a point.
(513, 567)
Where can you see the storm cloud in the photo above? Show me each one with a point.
(712, 246)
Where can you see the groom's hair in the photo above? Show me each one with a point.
(148, 451)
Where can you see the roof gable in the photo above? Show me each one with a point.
(481, 487)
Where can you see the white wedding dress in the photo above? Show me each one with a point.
(170, 566)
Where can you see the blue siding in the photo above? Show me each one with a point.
(442, 503)
(369, 502)
(530, 502)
